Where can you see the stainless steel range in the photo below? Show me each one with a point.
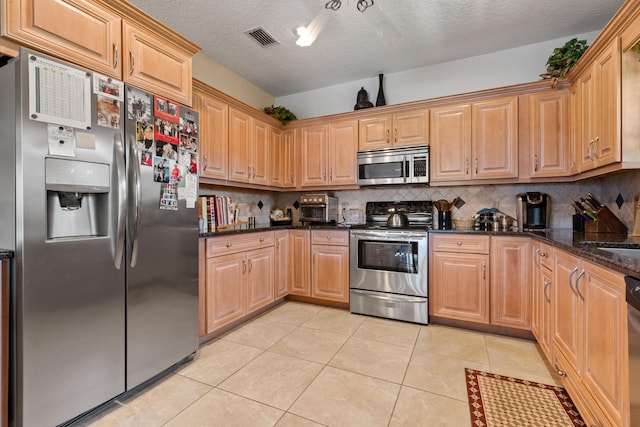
(389, 264)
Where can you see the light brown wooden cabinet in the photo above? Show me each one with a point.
(300, 262)
(590, 338)
(328, 154)
(598, 110)
(112, 38)
(330, 265)
(481, 279)
(510, 286)
(548, 133)
(541, 302)
(282, 152)
(477, 140)
(281, 263)
(239, 277)
(459, 277)
(214, 133)
(249, 159)
(401, 129)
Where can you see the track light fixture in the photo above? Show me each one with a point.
(362, 5)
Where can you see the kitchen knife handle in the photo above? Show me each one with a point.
(118, 154)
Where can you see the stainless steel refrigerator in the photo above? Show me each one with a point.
(104, 294)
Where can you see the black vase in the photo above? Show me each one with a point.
(380, 100)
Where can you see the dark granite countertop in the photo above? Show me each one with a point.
(5, 254)
(582, 244)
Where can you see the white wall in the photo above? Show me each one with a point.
(504, 68)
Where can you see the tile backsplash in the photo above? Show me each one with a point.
(606, 189)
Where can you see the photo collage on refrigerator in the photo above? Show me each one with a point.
(167, 140)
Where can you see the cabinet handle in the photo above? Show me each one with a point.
(228, 245)
(576, 284)
(250, 266)
(328, 237)
(330, 174)
(459, 243)
(535, 257)
(476, 165)
(547, 283)
(115, 55)
(535, 162)
(561, 373)
(484, 271)
(388, 136)
(543, 254)
(324, 175)
(594, 151)
(204, 160)
(261, 239)
(575, 269)
(133, 62)
(466, 166)
(244, 266)
(395, 135)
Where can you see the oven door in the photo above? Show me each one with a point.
(392, 261)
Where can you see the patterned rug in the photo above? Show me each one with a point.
(496, 400)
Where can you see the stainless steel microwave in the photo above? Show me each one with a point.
(394, 166)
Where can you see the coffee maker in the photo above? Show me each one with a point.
(533, 210)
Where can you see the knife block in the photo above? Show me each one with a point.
(607, 223)
(636, 217)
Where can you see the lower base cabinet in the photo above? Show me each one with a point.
(330, 265)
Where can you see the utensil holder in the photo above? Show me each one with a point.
(444, 220)
(607, 223)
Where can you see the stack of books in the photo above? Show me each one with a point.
(216, 211)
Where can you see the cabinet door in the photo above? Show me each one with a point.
(575, 129)
(240, 134)
(374, 132)
(494, 138)
(289, 157)
(152, 63)
(343, 140)
(588, 130)
(281, 263)
(411, 128)
(605, 372)
(511, 282)
(459, 286)
(330, 272)
(214, 135)
(260, 160)
(276, 151)
(299, 262)
(260, 265)
(451, 143)
(567, 310)
(548, 134)
(608, 87)
(226, 299)
(314, 156)
(79, 31)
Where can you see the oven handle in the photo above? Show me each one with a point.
(388, 235)
(386, 298)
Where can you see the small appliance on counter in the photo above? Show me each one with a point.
(280, 217)
(533, 210)
(353, 216)
(318, 208)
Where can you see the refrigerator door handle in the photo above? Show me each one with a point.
(121, 180)
(134, 165)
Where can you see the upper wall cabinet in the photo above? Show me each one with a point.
(214, 133)
(477, 140)
(399, 129)
(546, 124)
(113, 38)
(599, 97)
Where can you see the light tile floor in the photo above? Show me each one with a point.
(307, 365)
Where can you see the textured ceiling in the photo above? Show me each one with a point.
(391, 36)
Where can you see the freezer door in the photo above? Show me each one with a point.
(162, 261)
(67, 294)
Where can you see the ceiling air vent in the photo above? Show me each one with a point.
(260, 35)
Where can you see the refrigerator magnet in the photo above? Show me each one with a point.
(108, 87)
(61, 142)
(108, 112)
(138, 105)
(146, 159)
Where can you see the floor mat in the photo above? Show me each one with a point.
(496, 400)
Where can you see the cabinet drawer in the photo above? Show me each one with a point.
(330, 237)
(224, 245)
(460, 243)
(545, 256)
